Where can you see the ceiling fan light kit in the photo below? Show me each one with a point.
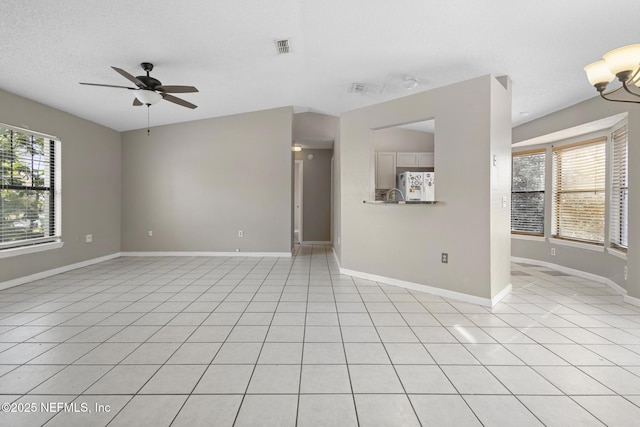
(148, 97)
(623, 63)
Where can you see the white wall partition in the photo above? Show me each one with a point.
(470, 222)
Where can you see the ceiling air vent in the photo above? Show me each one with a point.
(360, 88)
(283, 46)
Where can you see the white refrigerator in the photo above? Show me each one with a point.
(417, 186)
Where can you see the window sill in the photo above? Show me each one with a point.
(588, 246)
(7, 253)
(617, 253)
(526, 237)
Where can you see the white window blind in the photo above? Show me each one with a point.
(619, 209)
(579, 191)
(28, 196)
(527, 192)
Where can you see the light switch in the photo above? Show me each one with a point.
(505, 201)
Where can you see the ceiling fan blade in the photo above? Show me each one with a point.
(177, 89)
(136, 102)
(178, 101)
(129, 77)
(100, 84)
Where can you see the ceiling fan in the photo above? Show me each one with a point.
(149, 90)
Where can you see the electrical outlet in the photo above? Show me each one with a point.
(445, 258)
(150, 233)
(625, 272)
(88, 238)
(553, 251)
(237, 249)
(240, 233)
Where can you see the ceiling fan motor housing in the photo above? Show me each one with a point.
(149, 82)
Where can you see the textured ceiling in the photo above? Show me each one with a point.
(226, 49)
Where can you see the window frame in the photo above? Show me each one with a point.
(543, 191)
(616, 202)
(556, 193)
(53, 239)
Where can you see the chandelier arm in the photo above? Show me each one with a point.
(612, 91)
(624, 84)
(603, 95)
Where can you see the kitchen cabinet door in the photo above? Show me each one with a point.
(425, 160)
(385, 170)
(407, 160)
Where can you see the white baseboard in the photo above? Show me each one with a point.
(485, 302)
(316, 242)
(211, 254)
(424, 288)
(579, 273)
(632, 300)
(53, 272)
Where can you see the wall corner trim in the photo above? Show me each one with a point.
(589, 276)
(503, 293)
(53, 272)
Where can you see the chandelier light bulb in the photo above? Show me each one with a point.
(623, 63)
(624, 60)
(598, 72)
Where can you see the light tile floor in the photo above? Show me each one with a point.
(284, 342)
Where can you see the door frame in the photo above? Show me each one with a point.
(298, 187)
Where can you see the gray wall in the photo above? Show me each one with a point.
(469, 223)
(402, 140)
(195, 184)
(316, 195)
(314, 127)
(599, 263)
(91, 186)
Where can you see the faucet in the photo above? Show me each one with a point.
(392, 190)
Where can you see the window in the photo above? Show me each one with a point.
(29, 190)
(579, 191)
(619, 211)
(527, 192)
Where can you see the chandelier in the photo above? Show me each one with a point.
(623, 63)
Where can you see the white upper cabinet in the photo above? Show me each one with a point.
(425, 160)
(414, 160)
(407, 160)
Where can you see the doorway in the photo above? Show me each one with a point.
(297, 202)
